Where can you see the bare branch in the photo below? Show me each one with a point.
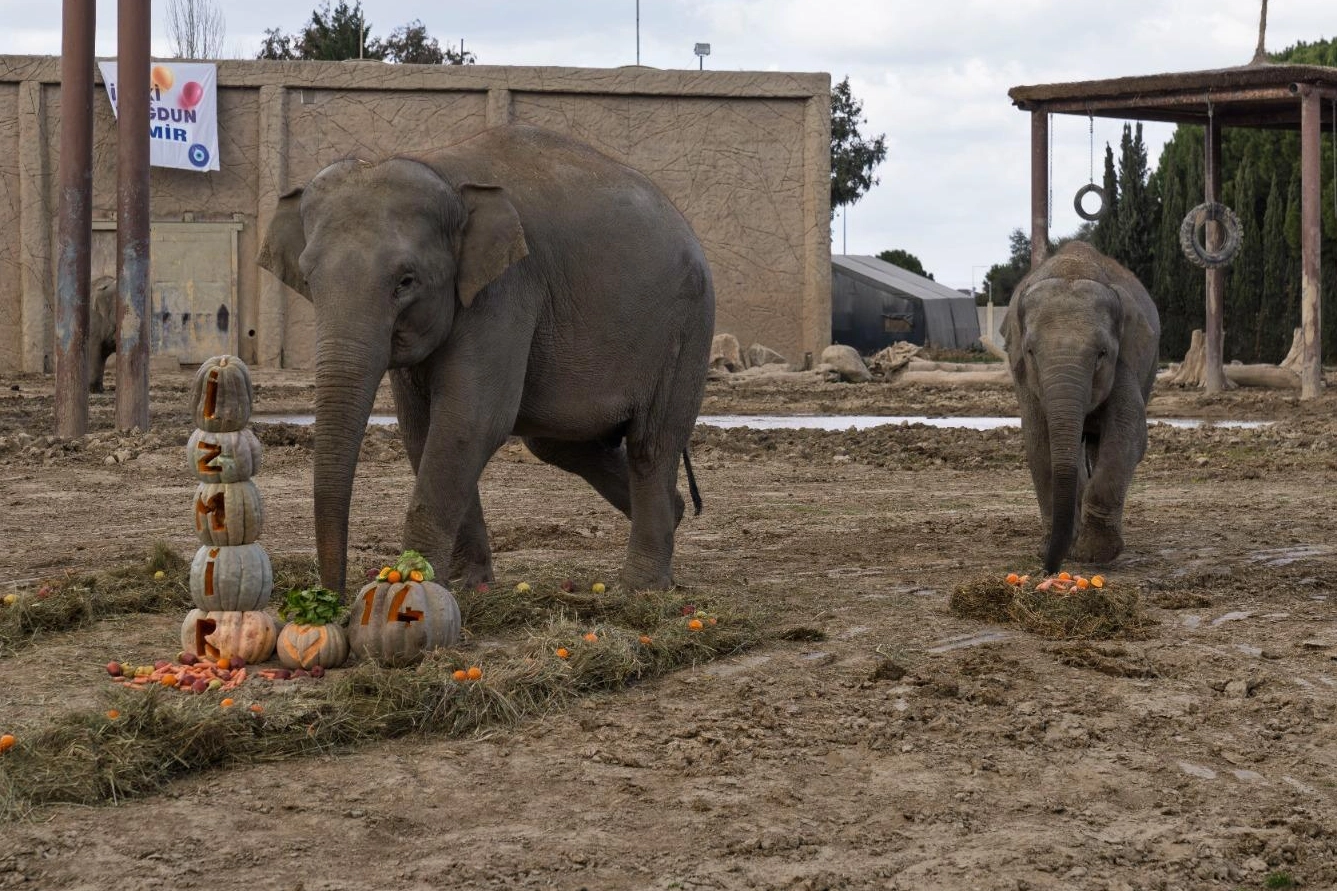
(196, 28)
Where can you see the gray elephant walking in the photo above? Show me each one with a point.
(518, 282)
(1083, 337)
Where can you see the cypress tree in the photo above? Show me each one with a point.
(1102, 236)
(1274, 322)
(1244, 280)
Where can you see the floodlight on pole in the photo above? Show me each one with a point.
(702, 50)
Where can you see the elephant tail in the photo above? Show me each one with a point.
(691, 484)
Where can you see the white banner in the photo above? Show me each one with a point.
(183, 113)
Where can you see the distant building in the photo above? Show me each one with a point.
(875, 304)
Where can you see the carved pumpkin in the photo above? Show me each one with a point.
(235, 579)
(302, 646)
(228, 513)
(396, 623)
(224, 457)
(222, 634)
(221, 395)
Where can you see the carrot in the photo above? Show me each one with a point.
(237, 677)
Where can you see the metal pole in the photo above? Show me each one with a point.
(638, 32)
(75, 214)
(132, 214)
(1311, 126)
(1214, 349)
(1039, 186)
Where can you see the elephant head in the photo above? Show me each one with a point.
(1079, 330)
(388, 253)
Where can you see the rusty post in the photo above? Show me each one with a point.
(1215, 375)
(75, 214)
(1311, 126)
(132, 214)
(1039, 186)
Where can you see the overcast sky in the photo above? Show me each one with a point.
(933, 76)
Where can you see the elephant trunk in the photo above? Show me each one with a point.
(348, 372)
(1066, 404)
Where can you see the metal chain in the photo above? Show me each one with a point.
(1049, 221)
(1091, 133)
(1207, 157)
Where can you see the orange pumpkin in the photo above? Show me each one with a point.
(222, 395)
(302, 646)
(229, 634)
(396, 623)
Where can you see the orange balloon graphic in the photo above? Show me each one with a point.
(162, 77)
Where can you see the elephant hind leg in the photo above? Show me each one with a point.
(600, 464)
(471, 559)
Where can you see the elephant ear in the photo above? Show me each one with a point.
(493, 240)
(284, 242)
(1139, 343)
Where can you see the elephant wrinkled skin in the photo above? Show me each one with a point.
(517, 282)
(1083, 337)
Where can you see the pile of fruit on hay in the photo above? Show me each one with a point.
(504, 668)
(1062, 606)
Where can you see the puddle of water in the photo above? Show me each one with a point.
(1287, 556)
(821, 422)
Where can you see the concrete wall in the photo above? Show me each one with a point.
(744, 155)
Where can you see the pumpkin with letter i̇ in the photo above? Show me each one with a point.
(222, 395)
(224, 457)
(312, 636)
(228, 513)
(403, 614)
(235, 579)
(226, 635)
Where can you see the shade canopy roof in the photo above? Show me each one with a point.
(1261, 94)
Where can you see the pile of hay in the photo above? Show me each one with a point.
(1083, 614)
(610, 639)
(73, 601)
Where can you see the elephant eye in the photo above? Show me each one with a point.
(406, 281)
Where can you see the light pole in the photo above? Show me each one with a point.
(702, 50)
(638, 32)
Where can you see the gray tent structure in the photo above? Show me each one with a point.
(875, 304)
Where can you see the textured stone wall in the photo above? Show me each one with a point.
(744, 155)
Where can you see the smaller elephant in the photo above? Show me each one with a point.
(1083, 337)
(101, 328)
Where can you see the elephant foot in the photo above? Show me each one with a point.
(471, 572)
(1097, 545)
(641, 577)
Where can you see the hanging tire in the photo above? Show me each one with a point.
(1090, 189)
(1197, 219)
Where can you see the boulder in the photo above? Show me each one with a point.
(758, 355)
(726, 354)
(845, 360)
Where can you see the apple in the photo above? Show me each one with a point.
(598, 588)
(11, 599)
(214, 683)
(568, 586)
(522, 588)
(237, 662)
(318, 671)
(200, 685)
(114, 669)
(160, 574)
(186, 657)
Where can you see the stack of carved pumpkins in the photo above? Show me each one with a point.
(230, 578)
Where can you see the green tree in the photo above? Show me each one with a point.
(853, 158)
(906, 261)
(1002, 278)
(1280, 296)
(340, 31)
(1135, 211)
(1102, 235)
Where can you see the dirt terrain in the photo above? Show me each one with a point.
(894, 745)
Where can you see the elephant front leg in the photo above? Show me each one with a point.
(471, 559)
(1123, 441)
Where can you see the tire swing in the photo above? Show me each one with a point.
(1091, 188)
(1210, 212)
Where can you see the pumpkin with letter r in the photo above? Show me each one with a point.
(228, 634)
(313, 635)
(401, 615)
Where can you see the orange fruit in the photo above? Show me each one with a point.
(257, 708)
(224, 664)
(112, 714)
(645, 638)
(1013, 578)
(7, 742)
(1082, 583)
(394, 577)
(475, 673)
(415, 576)
(227, 703)
(1065, 576)
(460, 674)
(1097, 581)
(696, 625)
(591, 637)
(169, 680)
(563, 652)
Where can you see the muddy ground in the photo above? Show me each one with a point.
(908, 749)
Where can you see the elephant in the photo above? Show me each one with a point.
(1083, 337)
(101, 328)
(517, 282)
